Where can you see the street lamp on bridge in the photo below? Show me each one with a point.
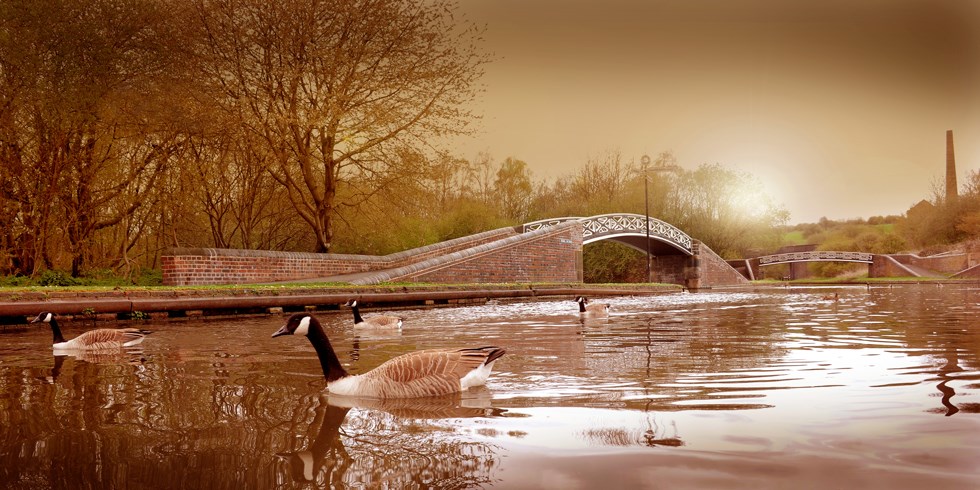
(644, 163)
(665, 163)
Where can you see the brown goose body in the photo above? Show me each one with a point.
(98, 339)
(593, 310)
(422, 373)
(376, 321)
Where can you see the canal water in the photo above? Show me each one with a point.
(767, 388)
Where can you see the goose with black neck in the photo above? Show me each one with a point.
(431, 372)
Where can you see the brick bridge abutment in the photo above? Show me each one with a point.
(547, 255)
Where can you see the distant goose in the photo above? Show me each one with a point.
(102, 338)
(376, 321)
(831, 297)
(416, 374)
(594, 310)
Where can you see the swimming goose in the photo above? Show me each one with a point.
(416, 374)
(377, 321)
(101, 338)
(593, 310)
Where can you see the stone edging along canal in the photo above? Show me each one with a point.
(122, 304)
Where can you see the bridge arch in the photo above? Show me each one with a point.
(629, 229)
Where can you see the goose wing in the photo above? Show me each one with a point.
(381, 321)
(107, 338)
(428, 372)
(598, 308)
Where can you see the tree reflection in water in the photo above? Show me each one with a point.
(354, 442)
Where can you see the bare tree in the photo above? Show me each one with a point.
(83, 136)
(513, 189)
(338, 89)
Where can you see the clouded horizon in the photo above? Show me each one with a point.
(839, 107)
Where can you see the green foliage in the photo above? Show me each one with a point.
(610, 262)
(96, 278)
(56, 278)
(468, 217)
(837, 269)
(795, 237)
(14, 281)
(513, 189)
(149, 277)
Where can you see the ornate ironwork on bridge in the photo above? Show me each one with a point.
(606, 226)
(816, 256)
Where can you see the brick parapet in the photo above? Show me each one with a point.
(948, 264)
(710, 269)
(213, 266)
(551, 254)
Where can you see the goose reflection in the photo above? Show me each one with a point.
(370, 334)
(952, 371)
(326, 452)
(655, 435)
(132, 356)
(405, 442)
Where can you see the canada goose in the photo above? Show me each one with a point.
(593, 310)
(416, 374)
(831, 297)
(377, 321)
(101, 338)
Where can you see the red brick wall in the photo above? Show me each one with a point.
(701, 270)
(217, 268)
(203, 266)
(708, 269)
(550, 255)
(886, 266)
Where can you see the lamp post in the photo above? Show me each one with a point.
(644, 162)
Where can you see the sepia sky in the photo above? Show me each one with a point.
(839, 107)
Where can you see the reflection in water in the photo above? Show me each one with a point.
(656, 434)
(396, 443)
(129, 355)
(751, 388)
(326, 460)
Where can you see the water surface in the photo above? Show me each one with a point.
(774, 388)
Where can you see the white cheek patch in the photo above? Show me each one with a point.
(48, 317)
(304, 327)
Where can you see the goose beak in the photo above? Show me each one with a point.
(281, 331)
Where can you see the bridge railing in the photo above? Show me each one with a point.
(816, 256)
(606, 226)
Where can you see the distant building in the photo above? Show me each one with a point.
(923, 210)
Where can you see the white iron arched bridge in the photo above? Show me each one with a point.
(629, 229)
(816, 256)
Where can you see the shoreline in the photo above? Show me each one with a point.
(120, 304)
(18, 307)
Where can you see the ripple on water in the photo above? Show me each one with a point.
(801, 388)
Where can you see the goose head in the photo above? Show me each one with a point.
(351, 303)
(298, 324)
(44, 317)
(581, 299)
(306, 324)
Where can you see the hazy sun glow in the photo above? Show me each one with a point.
(839, 107)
